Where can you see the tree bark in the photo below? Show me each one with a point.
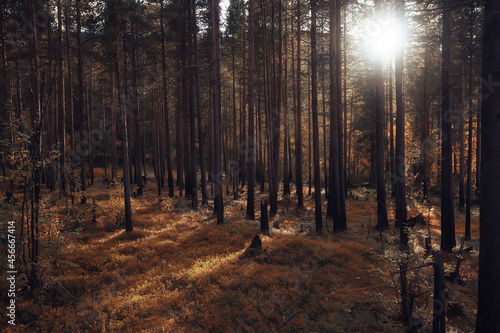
(170, 180)
(400, 176)
(250, 214)
(447, 209)
(123, 116)
(114, 155)
(340, 132)
(425, 130)
(379, 141)
(468, 195)
(135, 111)
(488, 319)
(192, 111)
(298, 118)
(314, 105)
(334, 210)
(84, 147)
(215, 77)
(60, 103)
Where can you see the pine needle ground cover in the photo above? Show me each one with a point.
(180, 272)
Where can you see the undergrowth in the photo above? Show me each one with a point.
(180, 272)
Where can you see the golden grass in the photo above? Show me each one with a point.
(179, 272)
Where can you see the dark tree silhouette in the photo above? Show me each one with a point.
(447, 210)
(251, 128)
(488, 319)
(314, 106)
(379, 142)
(400, 135)
(123, 113)
(215, 79)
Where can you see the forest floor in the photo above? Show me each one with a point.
(180, 272)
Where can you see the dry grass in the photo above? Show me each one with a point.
(179, 272)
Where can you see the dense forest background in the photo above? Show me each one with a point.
(294, 113)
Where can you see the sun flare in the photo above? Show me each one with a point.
(383, 38)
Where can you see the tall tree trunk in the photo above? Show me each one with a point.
(7, 90)
(90, 123)
(192, 110)
(379, 141)
(309, 128)
(275, 130)
(70, 102)
(123, 116)
(425, 130)
(114, 155)
(334, 209)
(36, 139)
(340, 132)
(235, 169)
(400, 177)
(286, 139)
(314, 105)
(461, 141)
(204, 195)
(325, 142)
(135, 111)
(298, 117)
(216, 100)
(170, 180)
(488, 319)
(51, 116)
(84, 148)
(392, 162)
(104, 139)
(468, 196)
(250, 214)
(447, 209)
(379, 148)
(60, 102)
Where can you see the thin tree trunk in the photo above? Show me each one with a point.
(392, 161)
(309, 129)
(250, 214)
(204, 195)
(123, 116)
(84, 149)
(401, 214)
(340, 132)
(90, 123)
(425, 130)
(51, 116)
(468, 195)
(379, 142)
(135, 110)
(104, 139)
(286, 139)
(35, 115)
(216, 100)
(60, 103)
(447, 207)
(298, 119)
(314, 78)
(114, 155)
(192, 111)
(70, 103)
(170, 180)
(461, 141)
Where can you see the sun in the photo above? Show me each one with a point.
(382, 38)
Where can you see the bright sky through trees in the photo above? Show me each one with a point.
(381, 37)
